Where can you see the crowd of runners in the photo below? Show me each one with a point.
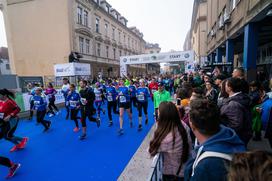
(243, 108)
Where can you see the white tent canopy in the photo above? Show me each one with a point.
(185, 56)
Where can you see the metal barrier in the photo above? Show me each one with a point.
(157, 172)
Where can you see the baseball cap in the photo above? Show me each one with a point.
(160, 84)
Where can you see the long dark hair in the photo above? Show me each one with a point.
(7, 93)
(169, 121)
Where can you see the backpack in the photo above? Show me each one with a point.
(201, 156)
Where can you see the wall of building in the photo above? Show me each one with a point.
(38, 35)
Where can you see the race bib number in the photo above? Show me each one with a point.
(123, 99)
(140, 97)
(50, 96)
(98, 97)
(73, 103)
(153, 91)
(83, 101)
(110, 99)
(36, 103)
(1, 115)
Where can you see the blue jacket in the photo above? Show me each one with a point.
(73, 100)
(142, 94)
(266, 107)
(39, 103)
(211, 168)
(124, 96)
(132, 90)
(111, 93)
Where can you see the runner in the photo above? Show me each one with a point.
(112, 101)
(98, 100)
(31, 88)
(142, 94)
(9, 120)
(124, 104)
(153, 87)
(87, 98)
(65, 91)
(13, 167)
(160, 96)
(50, 92)
(132, 91)
(40, 107)
(73, 101)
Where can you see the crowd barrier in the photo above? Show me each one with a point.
(22, 99)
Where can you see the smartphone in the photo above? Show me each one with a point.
(178, 101)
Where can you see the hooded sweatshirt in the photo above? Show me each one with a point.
(213, 168)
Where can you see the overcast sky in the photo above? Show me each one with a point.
(162, 21)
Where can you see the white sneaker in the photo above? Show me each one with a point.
(51, 115)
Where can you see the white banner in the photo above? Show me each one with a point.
(189, 67)
(186, 56)
(72, 69)
(26, 97)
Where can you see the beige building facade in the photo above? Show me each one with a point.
(42, 33)
(150, 48)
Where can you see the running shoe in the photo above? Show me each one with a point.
(49, 124)
(83, 136)
(140, 127)
(13, 169)
(120, 131)
(57, 112)
(98, 122)
(15, 148)
(51, 115)
(110, 123)
(76, 129)
(146, 121)
(23, 143)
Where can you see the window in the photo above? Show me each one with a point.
(81, 45)
(87, 46)
(233, 4)
(128, 42)
(98, 49)
(124, 39)
(107, 51)
(119, 36)
(7, 66)
(79, 15)
(113, 33)
(108, 9)
(106, 29)
(97, 1)
(120, 53)
(85, 18)
(114, 53)
(97, 25)
(151, 51)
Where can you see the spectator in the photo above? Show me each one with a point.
(217, 143)
(218, 80)
(248, 166)
(160, 96)
(172, 139)
(235, 112)
(254, 93)
(223, 95)
(211, 93)
(197, 93)
(240, 74)
(270, 86)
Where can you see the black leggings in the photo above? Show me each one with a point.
(40, 118)
(5, 162)
(74, 117)
(133, 101)
(52, 106)
(8, 129)
(31, 112)
(112, 106)
(86, 111)
(142, 105)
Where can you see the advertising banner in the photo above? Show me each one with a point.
(72, 69)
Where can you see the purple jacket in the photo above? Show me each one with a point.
(50, 92)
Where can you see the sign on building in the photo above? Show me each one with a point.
(72, 69)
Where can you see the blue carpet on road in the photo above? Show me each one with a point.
(59, 155)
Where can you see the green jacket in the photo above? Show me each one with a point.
(160, 97)
(256, 119)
